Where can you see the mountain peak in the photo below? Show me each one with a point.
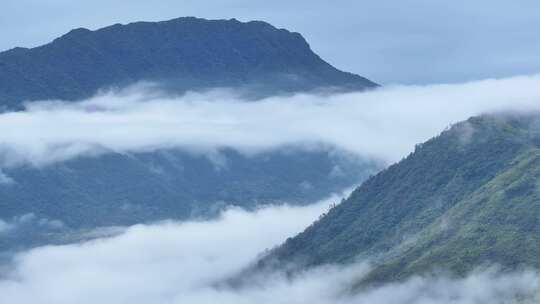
(181, 54)
(74, 34)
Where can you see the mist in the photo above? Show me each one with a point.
(185, 262)
(383, 124)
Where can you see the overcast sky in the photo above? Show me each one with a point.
(407, 42)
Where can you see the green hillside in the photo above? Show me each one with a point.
(467, 198)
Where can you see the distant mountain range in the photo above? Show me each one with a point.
(179, 55)
(182, 54)
(121, 190)
(467, 198)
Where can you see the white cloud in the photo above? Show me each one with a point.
(5, 226)
(385, 123)
(181, 262)
(185, 262)
(152, 264)
(487, 286)
(5, 179)
(30, 220)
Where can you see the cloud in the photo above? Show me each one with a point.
(151, 264)
(486, 286)
(185, 262)
(5, 179)
(5, 226)
(385, 123)
(30, 221)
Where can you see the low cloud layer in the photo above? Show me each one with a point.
(385, 123)
(29, 221)
(185, 262)
(152, 264)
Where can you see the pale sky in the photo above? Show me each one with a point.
(406, 42)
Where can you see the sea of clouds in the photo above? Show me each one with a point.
(186, 262)
(189, 262)
(384, 123)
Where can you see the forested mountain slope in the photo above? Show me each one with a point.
(467, 198)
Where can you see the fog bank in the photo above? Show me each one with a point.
(174, 262)
(384, 124)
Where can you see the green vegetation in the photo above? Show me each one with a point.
(467, 198)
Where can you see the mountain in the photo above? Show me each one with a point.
(180, 54)
(120, 190)
(467, 198)
(42, 205)
(125, 189)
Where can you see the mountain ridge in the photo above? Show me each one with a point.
(465, 198)
(180, 54)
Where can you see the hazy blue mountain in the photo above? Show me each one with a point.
(177, 55)
(464, 199)
(118, 189)
(180, 54)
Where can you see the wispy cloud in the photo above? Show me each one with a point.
(152, 264)
(385, 123)
(29, 221)
(184, 262)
